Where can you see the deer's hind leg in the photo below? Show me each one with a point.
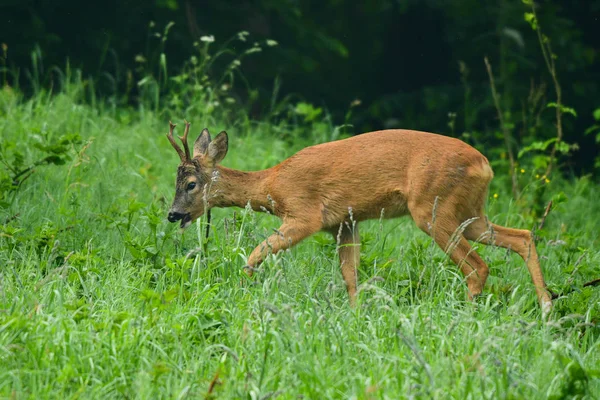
(446, 231)
(519, 241)
(466, 258)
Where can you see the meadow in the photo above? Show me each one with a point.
(100, 297)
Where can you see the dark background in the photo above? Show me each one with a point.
(410, 63)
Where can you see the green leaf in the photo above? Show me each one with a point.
(170, 295)
(563, 108)
(135, 206)
(168, 4)
(542, 146)
(563, 147)
(309, 111)
(135, 253)
(594, 373)
(530, 18)
(592, 129)
(148, 294)
(559, 198)
(575, 371)
(144, 81)
(597, 114)
(569, 110)
(159, 368)
(54, 159)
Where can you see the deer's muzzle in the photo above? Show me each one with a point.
(175, 216)
(185, 219)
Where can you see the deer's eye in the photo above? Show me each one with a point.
(191, 186)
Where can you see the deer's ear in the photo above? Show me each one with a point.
(217, 149)
(201, 144)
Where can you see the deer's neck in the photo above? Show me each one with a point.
(238, 188)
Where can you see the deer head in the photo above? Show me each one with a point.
(195, 186)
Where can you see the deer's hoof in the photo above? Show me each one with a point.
(546, 309)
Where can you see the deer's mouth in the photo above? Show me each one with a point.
(186, 221)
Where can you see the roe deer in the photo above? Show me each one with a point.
(441, 182)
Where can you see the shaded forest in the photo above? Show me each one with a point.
(370, 64)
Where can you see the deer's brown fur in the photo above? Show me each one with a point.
(441, 182)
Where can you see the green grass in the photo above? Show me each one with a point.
(98, 298)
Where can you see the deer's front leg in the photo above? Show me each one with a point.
(348, 241)
(290, 233)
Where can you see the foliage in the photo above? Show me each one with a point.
(595, 129)
(16, 168)
(132, 51)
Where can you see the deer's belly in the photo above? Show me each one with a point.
(369, 206)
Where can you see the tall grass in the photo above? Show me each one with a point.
(101, 298)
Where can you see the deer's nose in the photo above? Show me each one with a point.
(175, 216)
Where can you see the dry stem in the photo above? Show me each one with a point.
(505, 131)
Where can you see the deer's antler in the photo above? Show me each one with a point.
(174, 144)
(184, 140)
